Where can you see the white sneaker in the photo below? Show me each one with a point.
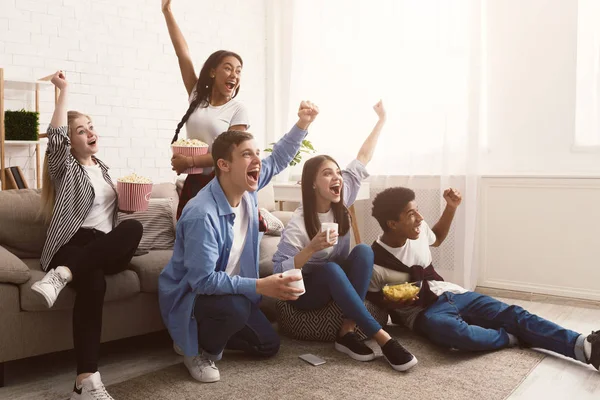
(51, 284)
(91, 388)
(202, 369)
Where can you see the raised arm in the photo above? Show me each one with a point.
(287, 147)
(453, 199)
(59, 145)
(181, 49)
(366, 151)
(59, 118)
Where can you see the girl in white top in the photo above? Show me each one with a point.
(329, 269)
(213, 109)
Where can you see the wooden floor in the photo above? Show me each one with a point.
(554, 378)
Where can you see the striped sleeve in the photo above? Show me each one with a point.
(58, 151)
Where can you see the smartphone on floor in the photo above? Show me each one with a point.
(312, 359)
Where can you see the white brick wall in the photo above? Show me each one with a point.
(123, 70)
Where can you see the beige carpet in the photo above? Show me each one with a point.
(440, 374)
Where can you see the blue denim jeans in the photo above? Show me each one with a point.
(235, 323)
(346, 283)
(476, 322)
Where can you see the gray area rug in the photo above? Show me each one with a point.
(440, 374)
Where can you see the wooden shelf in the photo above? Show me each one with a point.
(27, 86)
(21, 142)
(35, 86)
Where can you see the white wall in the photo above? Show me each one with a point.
(123, 70)
(541, 235)
(531, 65)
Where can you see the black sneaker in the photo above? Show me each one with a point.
(351, 345)
(594, 339)
(398, 357)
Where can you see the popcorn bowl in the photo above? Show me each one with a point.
(190, 148)
(134, 196)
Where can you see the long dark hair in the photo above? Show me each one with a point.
(309, 200)
(203, 89)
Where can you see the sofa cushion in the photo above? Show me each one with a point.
(149, 266)
(118, 287)
(283, 216)
(274, 225)
(12, 269)
(266, 197)
(267, 247)
(166, 190)
(157, 220)
(23, 233)
(321, 324)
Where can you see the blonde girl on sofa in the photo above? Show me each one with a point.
(83, 245)
(330, 270)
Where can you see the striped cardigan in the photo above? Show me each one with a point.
(74, 193)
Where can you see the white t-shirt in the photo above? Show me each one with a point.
(206, 123)
(100, 216)
(417, 252)
(297, 236)
(240, 228)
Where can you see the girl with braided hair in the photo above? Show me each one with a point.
(213, 108)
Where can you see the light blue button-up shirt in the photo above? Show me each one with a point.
(204, 236)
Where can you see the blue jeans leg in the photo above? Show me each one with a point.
(443, 324)
(233, 321)
(331, 282)
(359, 268)
(473, 321)
(532, 330)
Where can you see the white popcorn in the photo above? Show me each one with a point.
(189, 143)
(133, 178)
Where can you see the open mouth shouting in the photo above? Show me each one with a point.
(253, 174)
(230, 84)
(417, 229)
(335, 188)
(92, 142)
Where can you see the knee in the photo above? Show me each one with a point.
(134, 228)
(519, 314)
(365, 253)
(330, 270)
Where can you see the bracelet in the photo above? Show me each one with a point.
(193, 162)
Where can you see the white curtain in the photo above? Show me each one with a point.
(587, 111)
(423, 59)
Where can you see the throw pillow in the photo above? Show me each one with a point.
(274, 225)
(157, 220)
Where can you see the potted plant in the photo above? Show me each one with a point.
(21, 125)
(305, 148)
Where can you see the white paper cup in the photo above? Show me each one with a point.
(329, 226)
(296, 284)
